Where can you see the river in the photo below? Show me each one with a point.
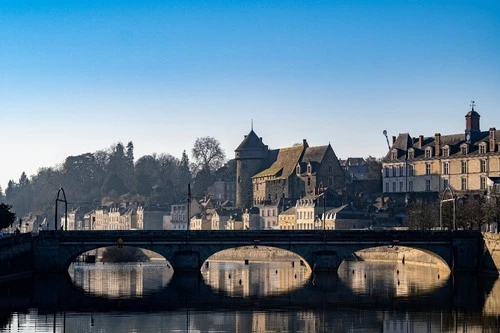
(257, 297)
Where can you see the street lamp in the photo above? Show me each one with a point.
(453, 200)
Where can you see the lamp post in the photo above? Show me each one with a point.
(453, 200)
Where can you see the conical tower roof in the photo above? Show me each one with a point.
(251, 142)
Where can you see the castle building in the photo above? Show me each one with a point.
(465, 162)
(266, 177)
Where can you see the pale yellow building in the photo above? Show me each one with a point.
(464, 162)
(287, 220)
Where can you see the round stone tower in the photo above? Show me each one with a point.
(250, 156)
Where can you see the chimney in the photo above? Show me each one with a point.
(304, 143)
(420, 141)
(493, 139)
(437, 144)
(393, 139)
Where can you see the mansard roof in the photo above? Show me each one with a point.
(405, 142)
(251, 142)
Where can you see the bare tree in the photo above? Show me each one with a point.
(208, 154)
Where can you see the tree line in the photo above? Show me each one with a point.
(468, 213)
(113, 174)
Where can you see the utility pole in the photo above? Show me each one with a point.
(188, 210)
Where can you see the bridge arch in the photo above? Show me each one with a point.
(253, 253)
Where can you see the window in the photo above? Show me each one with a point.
(308, 181)
(400, 171)
(428, 153)
(411, 154)
(446, 152)
(387, 186)
(394, 172)
(464, 184)
(482, 183)
(394, 155)
(411, 170)
(309, 169)
(463, 150)
(482, 149)
(464, 166)
(483, 166)
(387, 172)
(427, 184)
(446, 168)
(394, 187)
(401, 189)
(298, 170)
(410, 186)
(446, 183)
(427, 168)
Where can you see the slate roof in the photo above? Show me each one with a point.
(250, 142)
(288, 158)
(405, 142)
(289, 211)
(285, 163)
(353, 161)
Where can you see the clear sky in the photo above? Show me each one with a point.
(78, 76)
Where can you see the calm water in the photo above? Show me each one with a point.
(259, 297)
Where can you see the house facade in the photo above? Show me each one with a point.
(464, 162)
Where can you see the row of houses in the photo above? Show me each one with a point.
(313, 212)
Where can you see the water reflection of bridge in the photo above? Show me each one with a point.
(54, 293)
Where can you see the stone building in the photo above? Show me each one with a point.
(265, 177)
(464, 162)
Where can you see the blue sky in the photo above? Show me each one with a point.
(78, 76)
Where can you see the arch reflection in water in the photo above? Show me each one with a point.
(121, 280)
(392, 279)
(255, 279)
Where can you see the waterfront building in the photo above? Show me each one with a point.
(287, 220)
(265, 177)
(464, 162)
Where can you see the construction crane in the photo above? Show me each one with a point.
(386, 139)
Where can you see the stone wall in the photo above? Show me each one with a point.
(259, 254)
(401, 254)
(491, 253)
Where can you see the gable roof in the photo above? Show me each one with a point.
(285, 163)
(315, 154)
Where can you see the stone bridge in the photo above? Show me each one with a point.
(53, 251)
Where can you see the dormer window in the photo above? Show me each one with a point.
(428, 152)
(446, 151)
(309, 168)
(394, 154)
(482, 148)
(411, 154)
(464, 149)
(298, 170)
